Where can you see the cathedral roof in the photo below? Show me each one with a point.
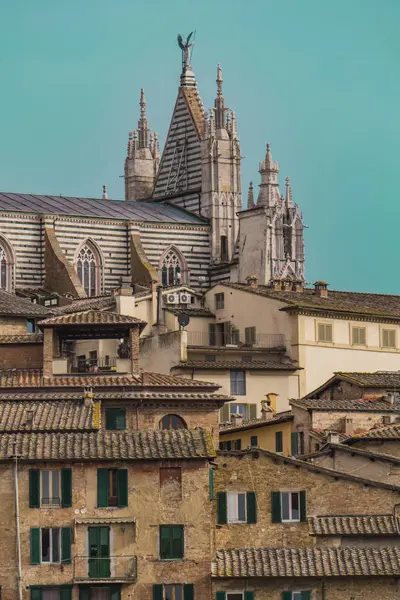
(145, 210)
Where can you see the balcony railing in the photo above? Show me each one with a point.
(236, 339)
(113, 569)
(95, 365)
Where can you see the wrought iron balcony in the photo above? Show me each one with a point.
(108, 569)
(235, 339)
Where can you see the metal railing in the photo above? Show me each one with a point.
(110, 568)
(235, 338)
(94, 365)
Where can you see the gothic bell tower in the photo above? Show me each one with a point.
(220, 177)
(143, 158)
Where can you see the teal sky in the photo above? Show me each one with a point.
(319, 80)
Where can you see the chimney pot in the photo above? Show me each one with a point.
(251, 281)
(321, 289)
(332, 437)
(267, 412)
(125, 287)
(348, 426)
(237, 420)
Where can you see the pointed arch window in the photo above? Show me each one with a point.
(87, 266)
(7, 262)
(3, 269)
(172, 269)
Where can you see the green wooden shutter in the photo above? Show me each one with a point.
(306, 595)
(165, 541)
(157, 591)
(34, 488)
(177, 541)
(293, 439)
(188, 591)
(225, 413)
(222, 508)
(211, 483)
(36, 593)
(121, 418)
(84, 592)
(66, 545)
(220, 596)
(278, 441)
(252, 408)
(253, 441)
(249, 596)
(286, 595)
(35, 545)
(212, 334)
(122, 487)
(115, 592)
(276, 507)
(251, 507)
(65, 592)
(303, 506)
(238, 444)
(102, 487)
(66, 488)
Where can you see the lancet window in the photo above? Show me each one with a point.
(3, 269)
(87, 268)
(171, 269)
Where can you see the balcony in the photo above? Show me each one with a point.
(111, 365)
(110, 569)
(235, 339)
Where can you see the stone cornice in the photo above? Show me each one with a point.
(344, 316)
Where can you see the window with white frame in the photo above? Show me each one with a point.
(238, 409)
(388, 338)
(358, 336)
(238, 383)
(236, 507)
(220, 301)
(324, 332)
(86, 266)
(290, 506)
(50, 484)
(50, 545)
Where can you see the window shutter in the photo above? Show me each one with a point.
(115, 592)
(177, 541)
(102, 488)
(293, 439)
(251, 508)
(222, 508)
(278, 441)
(225, 413)
(276, 507)
(238, 444)
(249, 596)
(211, 334)
(253, 441)
(362, 339)
(286, 595)
(66, 592)
(165, 542)
(157, 591)
(36, 593)
(252, 411)
(35, 545)
(84, 592)
(220, 596)
(121, 418)
(66, 545)
(66, 488)
(122, 486)
(34, 488)
(211, 483)
(328, 333)
(188, 591)
(306, 595)
(303, 506)
(385, 338)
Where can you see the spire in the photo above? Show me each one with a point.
(269, 191)
(219, 102)
(187, 75)
(143, 127)
(269, 164)
(289, 201)
(219, 80)
(250, 196)
(105, 195)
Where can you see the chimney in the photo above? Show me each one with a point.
(88, 396)
(237, 420)
(348, 426)
(272, 399)
(125, 287)
(332, 437)
(276, 284)
(297, 286)
(267, 412)
(251, 280)
(321, 289)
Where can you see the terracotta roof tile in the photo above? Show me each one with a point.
(48, 416)
(306, 562)
(12, 305)
(102, 445)
(144, 395)
(378, 379)
(91, 317)
(275, 363)
(158, 379)
(94, 303)
(28, 338)
(255, 423)
(192, 311)
(349, 525)
(381, 305)
(386, 432)
(372, 403)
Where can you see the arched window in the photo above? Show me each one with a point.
(88, 267)
(3, 269)
(173, 268)
(172, 422)
(7, 261)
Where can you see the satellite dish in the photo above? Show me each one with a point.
(183, 319)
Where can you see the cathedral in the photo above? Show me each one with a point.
(182, 221)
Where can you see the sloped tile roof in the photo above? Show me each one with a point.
(48, 416)
(255, 423)
(94, 303)
(306, 562)
(380, 305)
(59, 395)
(386, 432)
(91, 317)
(191, 311)
(378, 379)
(368, 403)
(12, 305)
(28, 338)
(158, 379)
(275, 363)
(349, 525)
(109, 445)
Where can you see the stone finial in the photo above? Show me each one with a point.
(104, 196)
(219, 80)
(289, 201)
(142, 104)
(250, 196)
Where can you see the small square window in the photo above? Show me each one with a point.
(238, 409)
(219, 301)
(358, 336)
(210, 358)
(388, 338)
(30, 325)
(254, 441)
(247, 358)
(324, 332)
(115, 418)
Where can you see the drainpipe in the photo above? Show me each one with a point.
(18, 541)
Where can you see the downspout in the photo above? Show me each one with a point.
(18, 541)
(323, 590)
